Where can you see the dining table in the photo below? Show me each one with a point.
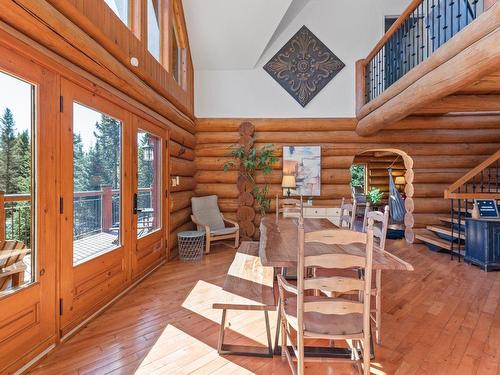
(278, 248)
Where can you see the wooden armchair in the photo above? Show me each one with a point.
(12, 266)
(207, 217)
(328, 317)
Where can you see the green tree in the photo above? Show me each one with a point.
(108, 149)
(358, 175)
(80, 172)
(22, 150)
(8, 162)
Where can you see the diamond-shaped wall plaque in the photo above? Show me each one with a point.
(304, 66)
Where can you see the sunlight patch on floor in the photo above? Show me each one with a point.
(250, 324)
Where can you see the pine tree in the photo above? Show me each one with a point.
(8, 161)
(22, 152)
(80, 172)
(108, 134)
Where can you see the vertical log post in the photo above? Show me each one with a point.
(246, 211)
(107, 208)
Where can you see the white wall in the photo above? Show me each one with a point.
(350, 28)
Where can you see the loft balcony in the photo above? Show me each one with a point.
(439, 57)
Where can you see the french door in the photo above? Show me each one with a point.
(96, 204)
(113, 198)
(28, 208)
(149, 200)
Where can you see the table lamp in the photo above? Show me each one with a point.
(288, 182)
(399, 181)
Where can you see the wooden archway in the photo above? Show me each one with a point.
(409, 221)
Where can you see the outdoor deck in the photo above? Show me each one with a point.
(84, 249)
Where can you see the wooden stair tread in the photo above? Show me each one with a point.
(431, 238)
(450, 220)
(446, 231)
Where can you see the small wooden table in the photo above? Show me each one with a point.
(279, 247)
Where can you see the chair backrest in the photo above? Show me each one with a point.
(11, 252)
(347, 214)
(288, 205)
(338, 259)
(206, 211)
(381, 223)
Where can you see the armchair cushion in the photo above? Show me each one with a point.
(220, 232)
(206, 211)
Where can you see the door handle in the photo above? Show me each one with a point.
(136, 210)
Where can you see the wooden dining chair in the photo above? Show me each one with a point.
(381, 222)
(12, 267)
(288, 207)
(323, 317)
(347, 214)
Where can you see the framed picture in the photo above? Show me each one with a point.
(303, 162)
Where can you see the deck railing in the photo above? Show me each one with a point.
(424, 27)
(94, 212)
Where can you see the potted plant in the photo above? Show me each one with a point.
(375, 196)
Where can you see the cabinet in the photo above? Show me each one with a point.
(482, 245)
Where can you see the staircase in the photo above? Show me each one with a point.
(482, 182)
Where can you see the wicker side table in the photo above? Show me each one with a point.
(191, 245)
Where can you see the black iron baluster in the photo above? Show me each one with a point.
(459, 228)
(452, 2)
(439, 24)
(452, 225)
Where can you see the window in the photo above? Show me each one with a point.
(96, 183)
(358, 177)
(154, 38)
(148, 183)
(120, 8)
(176, 53)
(17, 198)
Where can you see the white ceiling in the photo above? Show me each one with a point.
(233, 34)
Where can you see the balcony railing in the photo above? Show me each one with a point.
(93, 212)
(424, 27)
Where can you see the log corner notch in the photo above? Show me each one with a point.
(468, 57)
(246, 211)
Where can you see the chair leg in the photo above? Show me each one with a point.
(366, 355)
(17, 279)
(207, 243)
(237, 240)
(378, 306)
(284, 343)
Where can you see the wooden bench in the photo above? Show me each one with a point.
(248, 286)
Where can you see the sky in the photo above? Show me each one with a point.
(16, 95)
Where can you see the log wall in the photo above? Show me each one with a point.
(442, 148)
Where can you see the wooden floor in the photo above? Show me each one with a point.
(444, 318)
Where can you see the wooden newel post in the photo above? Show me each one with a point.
(2, 216)
(107, 208)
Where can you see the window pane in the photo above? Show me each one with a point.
(154, 28)
(17, 120)
(148, 183)
(120, 8)
(96, 179)
(176, 55)
(358, 173)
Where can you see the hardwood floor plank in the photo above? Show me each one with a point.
(443, 318)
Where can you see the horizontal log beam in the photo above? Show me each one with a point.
(462, 103)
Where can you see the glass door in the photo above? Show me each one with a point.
(95, 237)
(28, 208)
(149, 196)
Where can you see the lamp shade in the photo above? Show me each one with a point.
(288, 182)
(400, 180)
